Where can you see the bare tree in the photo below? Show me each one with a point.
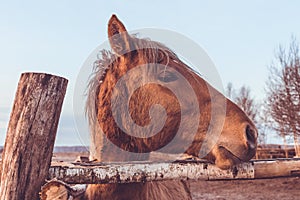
(246, 102)
(262, 124)
(243, 99)
(230, 91)
(283, 93)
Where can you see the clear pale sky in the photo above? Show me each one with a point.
(57, 36)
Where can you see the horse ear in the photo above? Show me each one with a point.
(119, 39)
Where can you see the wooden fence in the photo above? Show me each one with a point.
(30, 137)
(275, 151)
(102, 173)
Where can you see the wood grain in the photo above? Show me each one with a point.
(30, 135)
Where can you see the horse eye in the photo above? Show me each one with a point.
(167, 76)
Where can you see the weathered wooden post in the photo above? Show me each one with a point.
(30, 135)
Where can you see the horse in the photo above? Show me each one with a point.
(111, 117)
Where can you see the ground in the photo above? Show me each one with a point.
(279, 188)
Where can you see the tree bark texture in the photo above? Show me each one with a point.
(30, 135)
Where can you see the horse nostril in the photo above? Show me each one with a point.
(251, 137)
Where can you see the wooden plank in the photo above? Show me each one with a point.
(277, 168)
(30, 135)
(147, 171)
(142, 172)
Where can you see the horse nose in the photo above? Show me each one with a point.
(251, 136)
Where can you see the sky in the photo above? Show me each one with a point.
(57, 37)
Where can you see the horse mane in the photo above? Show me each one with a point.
(104, 60)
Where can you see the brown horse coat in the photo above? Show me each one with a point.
(110, 141)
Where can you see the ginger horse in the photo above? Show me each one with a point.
(109, 129)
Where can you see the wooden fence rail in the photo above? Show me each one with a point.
(157, 171)
(64, 174)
